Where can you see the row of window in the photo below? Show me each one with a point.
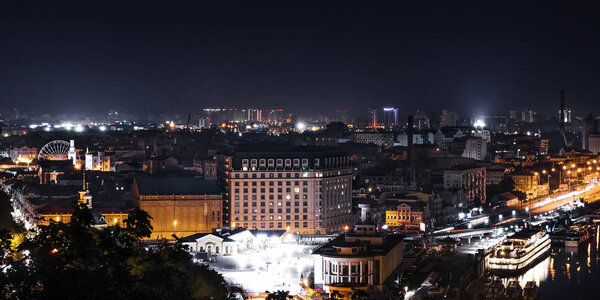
(272, 225)
(271, 163)
(271, 183)
(272, 175)
(271, 210)
(270, 218)
(272, 197)
(271, 204)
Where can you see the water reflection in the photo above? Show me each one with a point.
(565, 272)
(537, 273)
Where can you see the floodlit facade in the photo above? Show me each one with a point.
(304, 190)
(358, 259)
(404, 215)
(179, 205)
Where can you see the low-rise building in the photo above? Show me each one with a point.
(526, 182)
(359, 259)
(468, 182)
(407, 215)
(495, 174)
(179, 205)
(377, 138)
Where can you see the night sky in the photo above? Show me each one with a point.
(312, 57)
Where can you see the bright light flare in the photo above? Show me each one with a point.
(300, 126)
(479, 123)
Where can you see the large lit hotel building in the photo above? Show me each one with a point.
(305, 190)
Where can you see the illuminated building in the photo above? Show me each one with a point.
(99, 161)
(22, 153)
(475, 148)
(527, 116)
(406, 215)
(220, 242)
(376, 138)
(445, 136)
(308, 190)
(386, 117)
(566, 114)
(468, 182)
(361, 258)
(419, 138)
(526, 182)
(495, 174)
(179, 205)
(39, 204)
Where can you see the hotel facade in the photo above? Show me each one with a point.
(304, 190)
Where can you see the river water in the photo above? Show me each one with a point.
(567, 273)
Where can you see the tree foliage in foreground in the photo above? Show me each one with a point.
(76, 261)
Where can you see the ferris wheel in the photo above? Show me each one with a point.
(55, 150)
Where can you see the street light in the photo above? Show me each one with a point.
(174, 226)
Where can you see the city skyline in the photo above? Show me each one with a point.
(473, 58)
(299, 150)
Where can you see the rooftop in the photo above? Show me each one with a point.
(176, 186)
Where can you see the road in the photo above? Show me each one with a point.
(590, 193)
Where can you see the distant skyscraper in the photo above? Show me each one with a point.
(421, 120)
(390, 117)
(449, 118)
(254, 115)
(386, 117)
(527, 115)
(566, 115)
(341, 115)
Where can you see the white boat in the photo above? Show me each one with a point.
(518, 251)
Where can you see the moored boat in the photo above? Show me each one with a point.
(577, 235)
(518, 251)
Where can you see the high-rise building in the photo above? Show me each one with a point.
(475, 148)
(386, 117)
(306, 190)
(449, 118)
(254, 115)
(527, 116)
(566, 115)
(390, 117)
(421, 120)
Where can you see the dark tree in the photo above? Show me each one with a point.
(138, 223)
(278, 295)
(78, 261)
